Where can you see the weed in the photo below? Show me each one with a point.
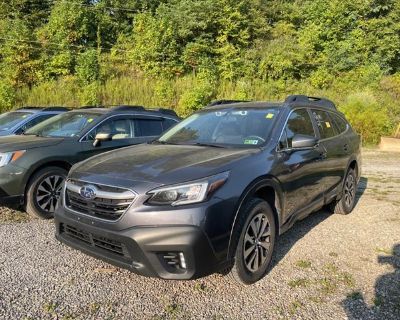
(299, 283)
(303, 264)
(355, 295)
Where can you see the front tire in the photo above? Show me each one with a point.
(254, 237)
(348, 200)
(44, 191)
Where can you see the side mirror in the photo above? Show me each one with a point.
(100, 137)
(301, 141)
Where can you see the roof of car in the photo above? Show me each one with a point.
(42, 109)
(291, 101)
(126, 109)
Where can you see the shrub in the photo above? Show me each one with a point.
(367, 116)
(7, 95)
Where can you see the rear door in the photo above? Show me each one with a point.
(334, 141)
(148, 128)
(300, 170)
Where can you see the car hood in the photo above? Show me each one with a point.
(21, 142)
(157, 164)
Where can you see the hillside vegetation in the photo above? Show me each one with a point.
(183, 53)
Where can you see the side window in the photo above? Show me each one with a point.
(168, 123)
(341, 124)
(34, 122)
(324, 123)
(118, 128)
(148, 127)
(299, 122)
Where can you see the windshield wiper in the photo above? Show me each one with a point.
(201, 144)
(162, 142)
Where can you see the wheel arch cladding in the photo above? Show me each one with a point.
(267, 189)
(354, 165)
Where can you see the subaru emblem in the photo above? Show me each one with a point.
(88, 192)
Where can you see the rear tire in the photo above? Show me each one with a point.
(254, 238)
(44, 191)
(348, 200)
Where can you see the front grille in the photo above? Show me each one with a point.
(94, 240)
(108, 203)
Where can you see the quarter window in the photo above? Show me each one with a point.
(341, 124)
(324, 123)
(299, 122)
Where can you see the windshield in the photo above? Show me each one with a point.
(69, 124)
(10, 119)
(231, 127)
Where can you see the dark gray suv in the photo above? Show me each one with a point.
(215, 191)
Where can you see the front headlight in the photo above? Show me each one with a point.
(191, 192)
(7, 157)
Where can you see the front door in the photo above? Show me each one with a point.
(300, 170)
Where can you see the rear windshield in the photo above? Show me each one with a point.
(10, 119)
(248, 127)
(69, 124)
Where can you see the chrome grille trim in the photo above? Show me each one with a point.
(109, 203)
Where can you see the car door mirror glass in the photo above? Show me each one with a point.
(101, 137)
(301, 141)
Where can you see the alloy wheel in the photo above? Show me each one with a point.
(48, 192)
(349, 190)
(257, 242)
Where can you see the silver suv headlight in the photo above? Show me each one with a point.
(7, 157)
(187, 193)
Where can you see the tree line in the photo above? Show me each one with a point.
(183, 53)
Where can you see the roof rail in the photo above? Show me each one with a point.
(89, 107)
(164, 111)
(219, 102)
(128, 108)
(315, 101)
(56, 108)
(30, 108)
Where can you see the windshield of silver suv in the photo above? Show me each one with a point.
(227, 127)
(65, 125)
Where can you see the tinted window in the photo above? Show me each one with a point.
(248, 127)
(167, 123)
(35, 121)
(69, 124)
(341, 124)
(118, 128)
(148, 127)
(299, 122)
(324, 123)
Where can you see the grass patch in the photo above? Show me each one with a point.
(378, 301)
(328, 286)
(347, 279)
(172, 310)
(50, 307)
(385, 251)
(330, 268)
(299, 283)
(333, 254)
(355, 295)
(316, 299)
(14, 216)
(199, 286)
(294, 306)
(303, 264)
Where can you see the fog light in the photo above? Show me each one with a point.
(182, 260)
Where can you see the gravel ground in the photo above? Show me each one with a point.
(326, 267)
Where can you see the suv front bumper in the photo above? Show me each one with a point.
(148, 251)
